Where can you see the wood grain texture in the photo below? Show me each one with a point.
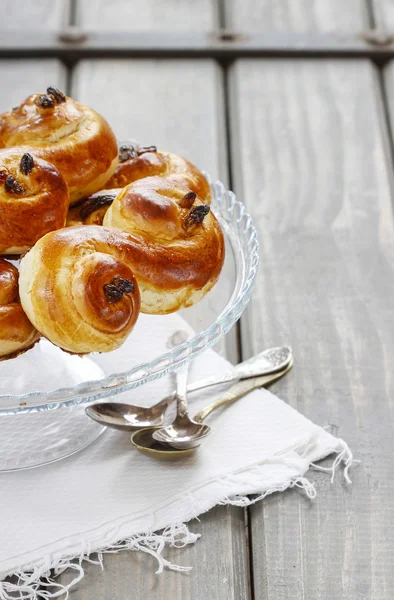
(296, 15)
(176, 105)
(388, 78)
(152, 15)
(311, 160)
(20, 78)
(34, 14)
(183, 117)
(383, 11)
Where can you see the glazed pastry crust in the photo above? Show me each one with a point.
(78, 289)
(66, 133)
(34, 200)
(177, 256)
(17, 334)
(136, 162)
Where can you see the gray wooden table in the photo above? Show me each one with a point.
(306, 143)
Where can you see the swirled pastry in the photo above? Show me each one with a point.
(137, 162)
(34, 200)
(73, 137)
(91, 210)
(178, 245)
(17, 334)
(78, 289)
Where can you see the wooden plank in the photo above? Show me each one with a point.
(153, 15)
(184, 117)
(176, 105)
(388, 78)
(383, 12)
(311, 160)
(22, 77)
(35, 14)
(301, 16)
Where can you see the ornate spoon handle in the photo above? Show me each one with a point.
(269, 361)
(239, 390)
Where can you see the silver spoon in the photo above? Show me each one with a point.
(183, 428)
(128, 417)
(186, 432)
(170, 447)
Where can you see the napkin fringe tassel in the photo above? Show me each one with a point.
(344, 456)
(40, 583)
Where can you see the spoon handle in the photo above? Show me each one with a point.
(181, 390)
(239, 390)
(270, 361)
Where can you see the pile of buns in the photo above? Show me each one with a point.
(102, 233)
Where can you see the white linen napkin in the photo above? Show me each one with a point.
(111, 493)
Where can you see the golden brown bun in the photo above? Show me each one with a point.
(33, 200)
(17, 334)
(91, 210)
(178, 246)
(137, 162)
(78, 289)
(73, 137)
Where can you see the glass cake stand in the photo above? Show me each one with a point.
(43, 391)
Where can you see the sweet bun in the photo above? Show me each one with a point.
(17, 334)
(78, 289)
(177, 243)
(137, 162)
(66, 133)
(34, 200)
(91, 210)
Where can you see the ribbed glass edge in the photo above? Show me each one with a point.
(226, 207)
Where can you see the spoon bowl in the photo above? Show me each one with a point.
(143, 441)
(182, 435)
(126, 417)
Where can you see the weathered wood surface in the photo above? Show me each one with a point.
(152, 15)
(184, 117)
(20, 78)
(383, 11)
(334, 16)
(34, 14)
(388, 78)
(311, 160)
(176, 105)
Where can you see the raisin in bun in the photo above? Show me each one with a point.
(91, 210)
(178, 245)
(34, 200)
(78, 288)
(17, 334)
(68, 134)
(137, 162)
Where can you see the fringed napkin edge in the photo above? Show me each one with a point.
(39, 580)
